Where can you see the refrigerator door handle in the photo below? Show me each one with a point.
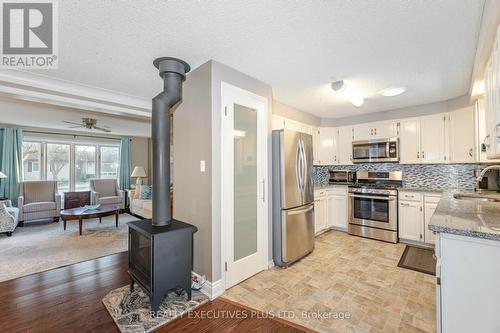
(304, 171)
(300, 211)
(297, 168)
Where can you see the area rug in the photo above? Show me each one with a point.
(131, 311)
(39, 247)
(418, 259)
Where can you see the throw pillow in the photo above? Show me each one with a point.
(146, 192)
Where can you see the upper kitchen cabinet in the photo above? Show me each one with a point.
(433, 138)
(374, 131)
(327, 146)
(492, 101)
(345, 145)
(462, 136)
(409, 141)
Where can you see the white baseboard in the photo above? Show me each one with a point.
(213, 289)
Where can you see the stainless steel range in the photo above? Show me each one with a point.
(373, 205)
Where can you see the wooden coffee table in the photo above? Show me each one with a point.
(77, 214)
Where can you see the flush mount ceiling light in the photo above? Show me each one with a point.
(392, 91)
(347, 92)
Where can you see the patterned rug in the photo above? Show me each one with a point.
(131, 311)
(42, 246)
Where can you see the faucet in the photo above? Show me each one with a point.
(485, 170)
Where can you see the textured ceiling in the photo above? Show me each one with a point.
(297, 47)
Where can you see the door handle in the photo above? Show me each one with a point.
(304, 156)
(300, 211)
(470, 152)
(371, 197)
(263, 190)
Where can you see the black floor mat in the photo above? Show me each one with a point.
(418, 259)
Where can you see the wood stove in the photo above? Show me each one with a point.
(161, 249)
(160, 258)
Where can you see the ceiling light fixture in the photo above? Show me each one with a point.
(392, 91)
(347, 92)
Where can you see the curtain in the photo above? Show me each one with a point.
(11, 159)
(125, 163)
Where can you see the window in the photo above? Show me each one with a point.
(110, 162)
(85, 166)
(58, 166)
(71, 164)
(32, 155)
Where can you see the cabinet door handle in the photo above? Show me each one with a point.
(371, 131)
(418, 154)
(404, 204)
(423, 154)
(470, 152)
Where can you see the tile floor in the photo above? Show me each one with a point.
(346, 274)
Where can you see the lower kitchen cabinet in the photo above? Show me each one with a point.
(415, 212)
(330, 209)
(430, 205)
(410, 221)
(320, 214)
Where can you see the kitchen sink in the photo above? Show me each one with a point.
(475, 197)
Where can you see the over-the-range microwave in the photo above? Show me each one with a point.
(383, 150)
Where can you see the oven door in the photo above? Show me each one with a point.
(375, 151)
(378, 211)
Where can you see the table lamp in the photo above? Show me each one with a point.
(138, 172)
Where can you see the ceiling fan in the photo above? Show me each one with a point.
(88, 123)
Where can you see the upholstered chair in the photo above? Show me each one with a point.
(106, 192)
(39, 200)
(8, 217)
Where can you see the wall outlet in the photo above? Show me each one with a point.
(202, 166)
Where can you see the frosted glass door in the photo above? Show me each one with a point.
(245, 182)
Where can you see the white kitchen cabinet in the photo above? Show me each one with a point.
(315, 136)
(410, 221)
(462, 135)
(415, 212)
(430, 205)
(481, 139)
(278, 123)
(337, 207)
(320, 213)
(344, 145)
(409, 141)
(433, 134)
(327, 146)
(492, 100)
(467, 292)
(375, 130)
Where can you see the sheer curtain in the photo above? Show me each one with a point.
(125, 152)
(11, 159)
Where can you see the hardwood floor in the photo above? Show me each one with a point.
(68, 299)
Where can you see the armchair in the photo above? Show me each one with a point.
(106, 192)
(8, 217)
(39, 200)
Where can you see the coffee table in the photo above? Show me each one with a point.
(77, 214)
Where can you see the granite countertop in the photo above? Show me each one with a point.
(480, 219)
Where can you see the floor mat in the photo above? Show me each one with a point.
(418, 259)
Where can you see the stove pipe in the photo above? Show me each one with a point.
(173, 72)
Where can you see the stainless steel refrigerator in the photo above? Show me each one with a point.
(293, 196)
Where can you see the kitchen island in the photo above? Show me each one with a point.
(468, 261)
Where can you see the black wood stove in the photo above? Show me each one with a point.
(161, 249)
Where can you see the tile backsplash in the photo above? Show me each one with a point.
(436, 176)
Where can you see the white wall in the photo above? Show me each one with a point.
(292, 113)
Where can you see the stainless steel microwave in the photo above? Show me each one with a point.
(384, 150)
